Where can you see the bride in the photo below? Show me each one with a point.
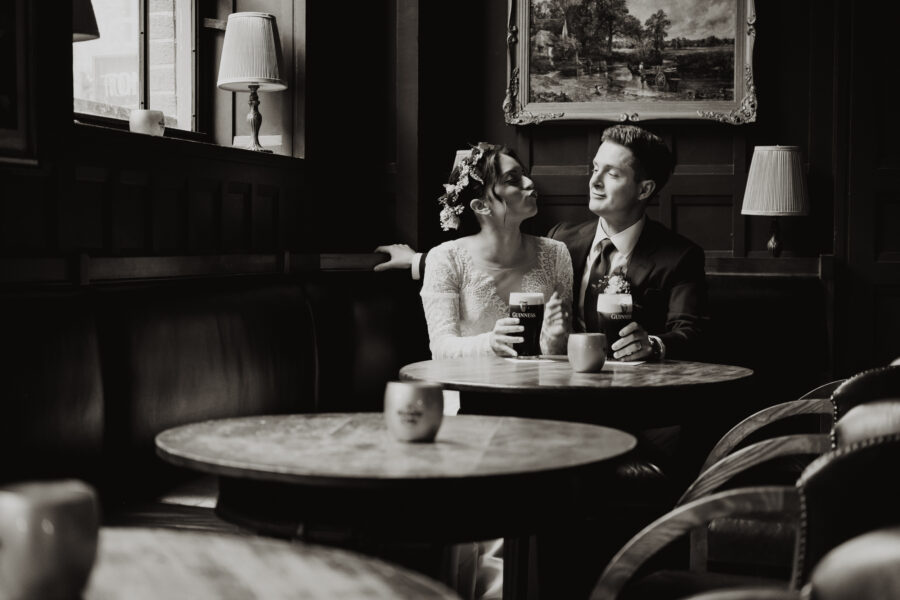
(465, 292)
(466, 289)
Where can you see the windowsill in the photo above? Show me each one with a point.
(122, 125)
(112, 134)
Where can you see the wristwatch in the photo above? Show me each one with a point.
(655, 349)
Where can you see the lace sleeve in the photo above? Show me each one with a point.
(440, 299)
(561, 279)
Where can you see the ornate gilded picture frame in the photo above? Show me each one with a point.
(630, 60)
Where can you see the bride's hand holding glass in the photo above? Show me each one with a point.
(502, 338)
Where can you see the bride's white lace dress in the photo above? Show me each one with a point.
(463, 300)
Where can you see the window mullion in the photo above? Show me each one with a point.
(143, 49)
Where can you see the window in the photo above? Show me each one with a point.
(144, 58)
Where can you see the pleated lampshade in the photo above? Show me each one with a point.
(251, 53)
(776, 184)
(84, 24)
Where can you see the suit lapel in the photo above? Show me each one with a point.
(579, 247)
(640, 264)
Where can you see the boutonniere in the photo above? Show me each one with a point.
(615, 283)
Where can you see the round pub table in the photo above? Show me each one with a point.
(341, 478)
(147, 564)
(648, 394)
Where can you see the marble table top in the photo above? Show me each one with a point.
(139, 564)
(341, 449)
(554, 374)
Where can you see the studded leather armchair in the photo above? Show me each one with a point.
(844, 493)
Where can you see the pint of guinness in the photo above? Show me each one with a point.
(528, 307)
(614, 311)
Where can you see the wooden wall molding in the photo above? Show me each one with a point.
(85, 270)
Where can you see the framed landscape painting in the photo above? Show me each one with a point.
(630, 60)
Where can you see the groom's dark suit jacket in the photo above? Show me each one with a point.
(668, 282)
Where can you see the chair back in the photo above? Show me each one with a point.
(881, 383)
(875, 384)
(845, 493)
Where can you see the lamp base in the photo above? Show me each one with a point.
(256, 148)
(254, 118)
(774, 244)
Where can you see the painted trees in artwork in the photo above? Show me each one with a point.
(657, 30)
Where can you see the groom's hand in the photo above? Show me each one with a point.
(401, 257)
(634, 343)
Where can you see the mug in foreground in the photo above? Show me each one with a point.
(48, 539)
(528, 307)
(587, 352)
(413, 410)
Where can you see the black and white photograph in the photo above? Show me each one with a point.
(470, 300)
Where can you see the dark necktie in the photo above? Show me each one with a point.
(598, 270)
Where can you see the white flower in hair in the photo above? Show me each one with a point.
(453, 208)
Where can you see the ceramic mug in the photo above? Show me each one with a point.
(48, 539)
(413, 411)
(151, 122)
(587, 352)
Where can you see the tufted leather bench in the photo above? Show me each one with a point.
(90, 376)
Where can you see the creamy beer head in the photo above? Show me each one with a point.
(528, 307)
(529, 298)
(613, 313)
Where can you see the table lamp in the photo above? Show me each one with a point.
(84, 24)
(251, 60)
(776, 187)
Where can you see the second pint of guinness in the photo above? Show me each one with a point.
(528, 307)
(614, 313)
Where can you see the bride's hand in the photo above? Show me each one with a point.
(501, 338)
(556, 317)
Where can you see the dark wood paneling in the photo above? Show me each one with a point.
(235, 214)
(262, 218)
(23, 214)
(130, 213)
(887, 323)
(81, 219)
(203, 197)
(887, 233)
(704, 219)
(169, 215)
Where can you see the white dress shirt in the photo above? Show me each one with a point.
(623, 243)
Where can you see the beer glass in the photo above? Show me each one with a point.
(614, 311)
(528, 307)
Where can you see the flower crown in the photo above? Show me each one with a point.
(452, 205)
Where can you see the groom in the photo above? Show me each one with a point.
(666, 271)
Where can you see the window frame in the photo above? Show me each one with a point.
(202, 71)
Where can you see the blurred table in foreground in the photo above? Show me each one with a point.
(343, 479)
(138, 564)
